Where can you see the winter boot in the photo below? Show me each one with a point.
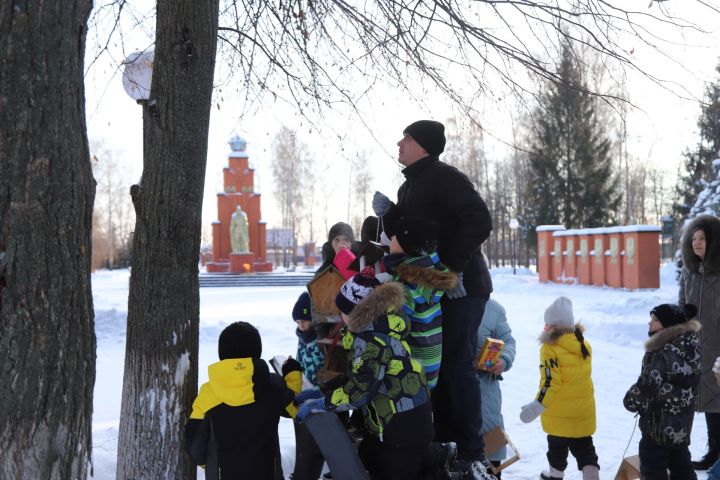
(446, 453)
(591, 472)
(713, 429)
(552, 474)
(472, 469)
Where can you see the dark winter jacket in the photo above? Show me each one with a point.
(309, 354)
(436, 191)
(424, 280)
(666, 390)
(700, 285)
(233, 426)
(382, 377)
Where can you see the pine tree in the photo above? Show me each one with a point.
(571, 168)
(708, 200)
(697, 167)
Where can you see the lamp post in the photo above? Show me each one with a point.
(513, 235)
(137, 75)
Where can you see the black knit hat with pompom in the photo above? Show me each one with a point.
(356, 289)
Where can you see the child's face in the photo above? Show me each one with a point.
(395, 245)
(304, 325)
(339, 242)
(654, 324)
(547, 328)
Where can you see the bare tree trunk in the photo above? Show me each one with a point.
(47, 337)
(161, 352)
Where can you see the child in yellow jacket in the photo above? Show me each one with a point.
(233, 428)
(565, 400)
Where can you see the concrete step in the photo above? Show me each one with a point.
(208, 280)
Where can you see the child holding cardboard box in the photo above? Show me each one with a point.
(493, 361)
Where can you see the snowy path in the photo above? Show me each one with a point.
(616, 325)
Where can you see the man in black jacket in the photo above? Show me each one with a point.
(441, 193)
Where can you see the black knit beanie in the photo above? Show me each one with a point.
(429, 134)
(341, 228)
(239, 340)
(356, 289)
(369, 229)
(301, 310)
(669, 314)
(416, 235)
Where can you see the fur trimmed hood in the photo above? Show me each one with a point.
(387, 296)
(712, 255)
(664, 336)
(427, 277)
(554, 335)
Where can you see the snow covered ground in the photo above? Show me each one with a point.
(616, 323)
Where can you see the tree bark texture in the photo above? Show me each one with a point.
(47, 338)
(160, 379)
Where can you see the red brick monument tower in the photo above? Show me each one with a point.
(237, 198)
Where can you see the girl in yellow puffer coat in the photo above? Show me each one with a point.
(565, 400)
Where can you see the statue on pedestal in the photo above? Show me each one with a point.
(239, 236)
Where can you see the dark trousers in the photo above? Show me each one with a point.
(581, 448)
(385, 461)
(308, 457)
(456, 399)
(656, 460)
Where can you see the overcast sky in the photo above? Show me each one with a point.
(660, 129)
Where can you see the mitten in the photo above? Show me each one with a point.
(309, 394)
(459, 290)
(290, 365)
(311, 406)
(531, 411)
(380, 204)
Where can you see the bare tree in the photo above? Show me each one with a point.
(660, 197)
(361, 188)
(160, 379)
(113, 208)
(290, 166)
(314, 54)
(636, 194)
(47, 338)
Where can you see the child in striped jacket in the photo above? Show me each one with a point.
(414, 263)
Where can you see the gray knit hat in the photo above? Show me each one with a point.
(560, 313)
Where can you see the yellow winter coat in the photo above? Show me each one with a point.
(566, 389)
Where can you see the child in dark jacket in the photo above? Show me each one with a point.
(232, 430)
(665, 392)
(414, 262)
(308, 457)
(309, 353)
(382, 379)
